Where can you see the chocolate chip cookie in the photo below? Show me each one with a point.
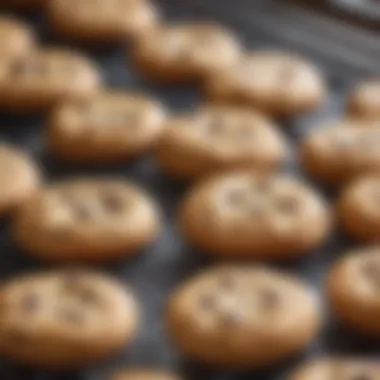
(278, 83)
(253, 216)
(92, 220)
(341, 151)
(113, 126)
(185, 52)
(353, 289)
(364, 101)
(66, 318)
(244, 317)
(102, 21)
(45, 78)
(219, 138)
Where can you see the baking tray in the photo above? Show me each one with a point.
(159, 270)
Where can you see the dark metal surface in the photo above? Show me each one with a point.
(160, 269)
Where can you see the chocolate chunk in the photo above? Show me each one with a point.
(30, 303)
(269, 299)
(113, 202)
(287, 205)
(207, 302)
(71, 316)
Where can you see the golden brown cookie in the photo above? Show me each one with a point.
(353, 289)
(359, 210)
(186, 52)
(112, 127)
(242, 317)
(44, 78)
(65, 318)
(94, 220)
(217, 138)
(19, 178)
(342, 151)
(102, 21)
(343, 368)
(253, 216)
(16, 38)
(364, 101)
(278, 83)
(144, 375)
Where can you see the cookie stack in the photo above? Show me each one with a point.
(242, 208)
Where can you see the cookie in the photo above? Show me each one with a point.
(252, 216)
(278, 83)
(44, 78)
(102, 21)
(341, 151)
(144, 375)
(364, 100)
(186, 52)
(247, 316)
(338, 369)
(358, 209)
(218, 138)
(92, 220)
(113, 126)
(67, 318)
(19, 177)
(16, 38)
(353, 289)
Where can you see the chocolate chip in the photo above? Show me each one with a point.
(371, 269)
(207, 302)
(262, 186)
(235, 198)
(30, 303)
(215, 126)
(269, 299)
(230, 319)
(113, 202)
(287, 205)
(82, 211)
(24, 68)
(227, 280)
(71, 316)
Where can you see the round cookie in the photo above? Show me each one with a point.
(19, 177)
(45, 78)
(185, 53)
(341, 151)
(353, 289)
(16, 38)
(102, 21)
(144, 375)
(81, 220)
(338, 369)
(278, 83)
(245, 317)
(359, 211)
(364, 100)
(252, 216)
(63, 319)
(112, 126)
(218, 138)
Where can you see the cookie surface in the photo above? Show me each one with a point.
(74, 317)
(144, 375)
(341, 151)
(44, 78)
(364, 101)
(338, 369)
(251, 216)
(87, 220)
(247, 316)
(187, 52)
(19, 177)
(113, 126)
(275, 82)
(102, 21)
(16, 38)
(218, 138)
(358, 209)
(353, 289)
